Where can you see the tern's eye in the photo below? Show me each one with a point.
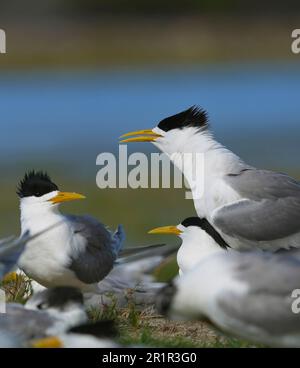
(42, 306)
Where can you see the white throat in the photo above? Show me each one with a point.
(37, 216)
(218, 159)
(204, 162)
(196, 246)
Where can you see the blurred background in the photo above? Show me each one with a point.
(78, 74)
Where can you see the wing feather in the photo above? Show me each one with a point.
(270, 209)
(95, 258)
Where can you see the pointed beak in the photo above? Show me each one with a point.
(166, 230)
(149, 137)
(65, 197)
(47, 342)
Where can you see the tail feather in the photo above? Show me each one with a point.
(118, 240)
(152, 252)
(137, 250)
(132, 274)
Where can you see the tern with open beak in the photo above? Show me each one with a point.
(249, 207)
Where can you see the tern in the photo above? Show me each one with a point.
(249, 294)
(74, 341)
(249, 207)
(100, 334)
(131, 279)
(199, 239)
(49, 312)
(80, 252)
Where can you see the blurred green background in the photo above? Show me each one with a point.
(78, 74)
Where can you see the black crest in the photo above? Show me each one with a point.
(192, 117)
(35, 183)
(100, 329)
(193, 221)
(61, 296)
(206, 226)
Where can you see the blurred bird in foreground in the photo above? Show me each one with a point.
(49, 312)
(11, 249)
(249, 207)
(80, 253)
(247, 294)
(54, 318)
(99, 335)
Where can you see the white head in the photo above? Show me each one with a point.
(186, 131)
(40, 196)
(199, 240)
(190, 231)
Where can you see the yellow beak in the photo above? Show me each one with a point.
(66, 196)
(166, 230)
(48, 342)
(150, 138)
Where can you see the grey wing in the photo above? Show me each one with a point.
(270, 209)
(10, 251)
(24, 323)
(94, 258)
(267, 305)
(12, 247)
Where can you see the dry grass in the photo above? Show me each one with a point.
(137, 326)
(17, 287)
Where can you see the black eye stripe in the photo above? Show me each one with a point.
(207, 227)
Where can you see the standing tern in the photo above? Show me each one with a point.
(80, 252)
(246, 294)
(199, 239)
(249, 207)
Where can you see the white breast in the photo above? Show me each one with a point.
(196, 246)
(45, 258)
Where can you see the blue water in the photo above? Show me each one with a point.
(72, 116)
